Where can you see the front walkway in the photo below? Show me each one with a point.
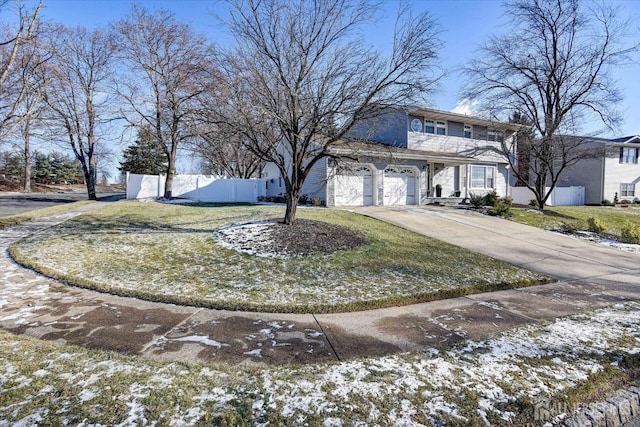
(592, 277)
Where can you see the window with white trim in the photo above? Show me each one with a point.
(491, 135)
(628, 155)
(441, 128)
(429, 126)
(627, 190)
(482, 176)
(468, 131)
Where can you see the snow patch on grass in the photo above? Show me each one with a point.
(476, 381)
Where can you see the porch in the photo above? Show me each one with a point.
(443, 201)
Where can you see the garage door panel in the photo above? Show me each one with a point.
(399, 187)
(354, 187)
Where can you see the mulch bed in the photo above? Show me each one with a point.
(308, 237)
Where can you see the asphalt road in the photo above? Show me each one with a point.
(16, 203)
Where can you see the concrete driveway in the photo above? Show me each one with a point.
(563, 257)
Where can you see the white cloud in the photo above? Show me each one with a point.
(466, 106)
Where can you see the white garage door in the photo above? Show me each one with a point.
(354, 187)
(399, 186)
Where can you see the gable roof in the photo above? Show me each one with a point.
(633, 139)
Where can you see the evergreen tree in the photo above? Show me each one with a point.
(42, 170)
(67, 170)
(525, 138)
(145, 156)
(11, 165)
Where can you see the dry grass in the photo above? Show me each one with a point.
(614, 218)
(10, 221)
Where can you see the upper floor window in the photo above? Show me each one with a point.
(468, 131)
(441, 128)
(628, 155)
(491, 135)
(429, 126)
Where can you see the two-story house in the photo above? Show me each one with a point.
(612, 169)
(409, 157)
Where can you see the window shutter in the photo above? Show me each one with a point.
(636, 162)
(621, 153)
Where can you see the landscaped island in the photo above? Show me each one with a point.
(169, 253)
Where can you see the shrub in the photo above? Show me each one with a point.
(630, 233)
(595, 225)
(502, 208)
(534, 203)
(616, 199)
(569, 227)
(476, 200)
(304, 200)
(625, 202)
(607, 202)
(491, 199)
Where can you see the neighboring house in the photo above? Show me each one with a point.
(614, 169)
(400, 157)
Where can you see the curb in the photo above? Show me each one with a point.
(623, 407)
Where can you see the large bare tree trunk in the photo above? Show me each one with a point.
(27, 158)
(292, 198)
(168, 185)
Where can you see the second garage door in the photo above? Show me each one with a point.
(399, 186)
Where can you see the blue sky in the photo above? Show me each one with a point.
(465, 24)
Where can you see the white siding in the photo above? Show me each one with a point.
(617, 173)
(482, 151)
(316, 183)
(445, 177)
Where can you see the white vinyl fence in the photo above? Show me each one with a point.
(560, 196)
(199, 188)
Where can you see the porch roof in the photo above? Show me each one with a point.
(357, 149)
(627, 141)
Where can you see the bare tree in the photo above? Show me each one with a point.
(15, 65)
(221, 149)
(166, 59)
(227, 156)
(34, 79)
(79, 96)
(554, 66)
(306, 78)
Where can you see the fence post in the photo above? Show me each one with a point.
(126, 184)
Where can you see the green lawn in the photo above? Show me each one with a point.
(167, 253)
(10, 221)
(614, 218)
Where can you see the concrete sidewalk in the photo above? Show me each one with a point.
(592, 277)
